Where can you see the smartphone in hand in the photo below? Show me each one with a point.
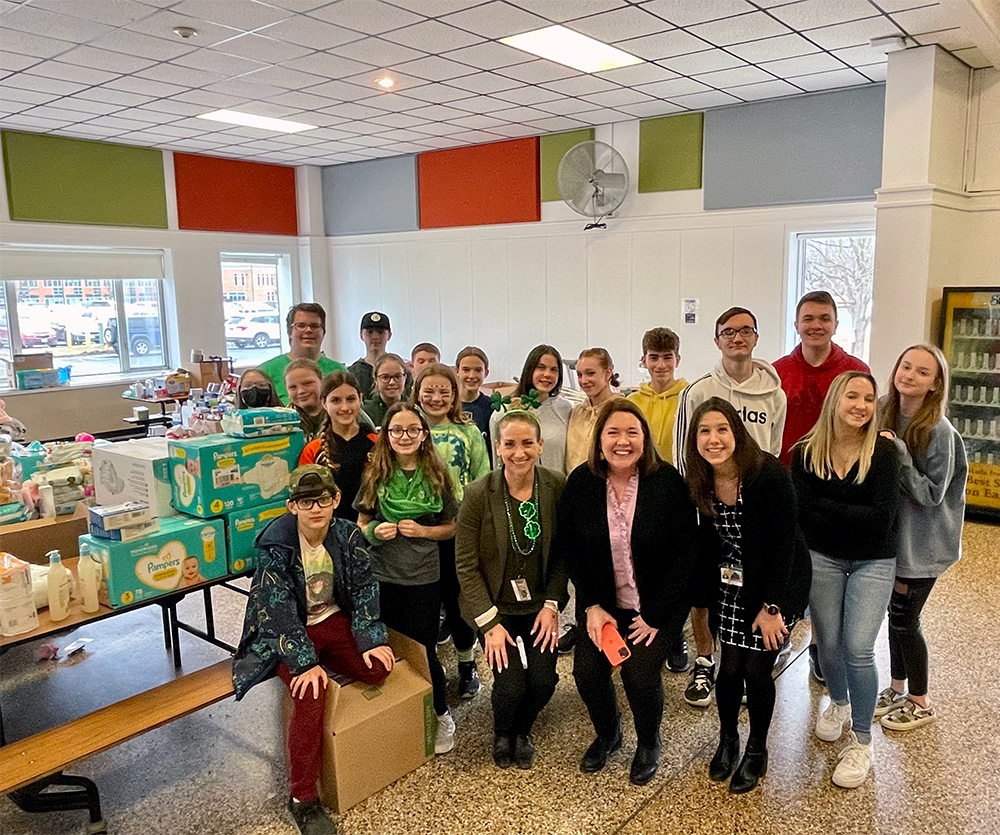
(613, 645)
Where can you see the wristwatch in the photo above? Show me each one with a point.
(771, 609)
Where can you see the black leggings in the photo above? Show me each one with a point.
(754, 667)
(519, 694)
(462, 634)
(907, 647)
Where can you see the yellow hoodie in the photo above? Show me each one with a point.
(660, 411)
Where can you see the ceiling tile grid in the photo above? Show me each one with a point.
(115, 69)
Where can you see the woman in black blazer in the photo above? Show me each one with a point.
(513, 582)
(753, 575)
(627, 525)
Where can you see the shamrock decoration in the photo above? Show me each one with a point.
(530, 400)
(498, 401)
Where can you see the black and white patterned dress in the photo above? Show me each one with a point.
(734, 629)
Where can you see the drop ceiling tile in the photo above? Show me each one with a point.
(144, 86)
(371, 17)
(173, 131)
(61, 114)
(436, 93)
(927, 19)
(489, 56)
(83, 106)
(639, 74)
(812, 13)
(949, 39)
(477, 121)
(663, 45)
(377, 51)
(441, 142)
(433, 68)
(858, 56)
(376, 141)
(527, 95)
(614, 98)
(37, 21)
(244, 89)
(765, 90)
(182, 76)
(245, 16)
(602, 116)
(162, 23)
(20, 120)
(873, 72)
(341, 91)
(520, 114)
(432, 36)
(437, 113)
(25, 81)
(647, 110)
(306, 31)
(496, 19)
(735, 77)
(24, 43)
(856, 33)
(148, 117)
(169, 109)
(686, 13)
(556, 123)
(485, 82)
(265, 50)
(401, 135)
(353, 111)
(397, 120)
(694, 63)
(32, 97)
(538, 72)
(217, 62)
(403, 81)
(328, 65)
(672, 88)
(143, 46)
(514, 131)
(773, 49)
(111, 12)
(619, 24)
(109, 96)
(286, 79)
(899, 5)
(439, 129)
(322, 120)
(15, 63)
(803, 65)
(211, 101)
(747, 27)
(829, 80)
(481, 104)
(561, 10)
(390, 102)
(564, 107)
(579, 85)
(101, 59)
(436, 8)
(68, 72)
(702, 101)
(475, 137)
(398, 148)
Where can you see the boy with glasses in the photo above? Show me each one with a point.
(306, 324)
(313, 565)
(753, 387)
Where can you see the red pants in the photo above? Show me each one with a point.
(338, 652)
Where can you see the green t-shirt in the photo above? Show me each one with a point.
(463, 449)
(275, 369)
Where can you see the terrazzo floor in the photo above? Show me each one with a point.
(222, 770)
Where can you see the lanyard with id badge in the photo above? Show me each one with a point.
(528, 511)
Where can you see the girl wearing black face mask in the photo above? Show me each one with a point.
(256, 390)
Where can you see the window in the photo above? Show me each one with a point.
(843, 264)
(97, 327)
(253, 287)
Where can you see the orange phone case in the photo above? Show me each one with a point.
(613, 645)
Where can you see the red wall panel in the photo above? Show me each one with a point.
(228, 195)
(480, 184)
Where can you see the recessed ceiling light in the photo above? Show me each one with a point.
(235, 117)
(385, 81)
(564, 46)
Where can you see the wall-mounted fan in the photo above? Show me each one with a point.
(593, 180)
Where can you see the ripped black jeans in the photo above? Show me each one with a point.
(907, 647)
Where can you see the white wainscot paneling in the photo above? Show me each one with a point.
(425, 303)
(706, 275)
(526, 293)
(455, 277)
(759, 282)
(357, 289)
(566, 290)
(393, 261)
(609, 294)
(490, 308)
(656, 278)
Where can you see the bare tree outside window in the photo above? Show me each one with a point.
(844, 266)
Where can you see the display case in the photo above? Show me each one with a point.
(970, 339)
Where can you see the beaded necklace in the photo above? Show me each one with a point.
(528, 511)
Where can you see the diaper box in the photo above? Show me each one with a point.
(216, 474)
(242, 528)
(136, 471)
(184, 552)
(251, 423)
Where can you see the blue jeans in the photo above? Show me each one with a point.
(848, 600)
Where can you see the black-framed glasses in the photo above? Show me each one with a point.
(397, 432)
(308, 504)
(307, 326)
(388, 378)
(730, 333)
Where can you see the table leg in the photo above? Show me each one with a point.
(174, 635)
(209, 613)
(166, 625)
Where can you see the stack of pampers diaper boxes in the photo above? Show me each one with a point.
(208, 498)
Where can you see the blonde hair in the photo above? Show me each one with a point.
(817, 443)
(917, 434)
(436, 369)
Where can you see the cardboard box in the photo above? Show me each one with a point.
(373, 735)
(209, 371)
(113, 517)
(126, 534)
(242, 528)
(216, 474)
(29, 362)
(31, 541)
(160, 563)
(134, 471)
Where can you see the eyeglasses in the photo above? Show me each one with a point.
(388, 378)
(730, 333)
(307, 326)
(397, 432)
(308, 504)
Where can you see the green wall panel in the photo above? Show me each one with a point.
(59, 180)
(670, 152)
(551, 149)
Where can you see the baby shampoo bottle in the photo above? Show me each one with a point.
(58, 587)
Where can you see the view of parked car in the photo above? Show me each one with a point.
(143, 335)
(259, 330)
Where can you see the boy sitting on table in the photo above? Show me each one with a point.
(296, 621)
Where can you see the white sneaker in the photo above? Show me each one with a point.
(444, 741)
(830, 724)
(855, 761)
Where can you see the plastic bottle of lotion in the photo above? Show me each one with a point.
(89, 572)
(58, 586)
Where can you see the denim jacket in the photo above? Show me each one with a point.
(274, 628)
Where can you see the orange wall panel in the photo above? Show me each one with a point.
(228, 195)
(480, 184)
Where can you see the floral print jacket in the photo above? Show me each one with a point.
(274, 628)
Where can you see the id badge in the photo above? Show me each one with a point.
(521, 593)
(732, 576)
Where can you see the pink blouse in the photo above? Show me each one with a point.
(620, 517)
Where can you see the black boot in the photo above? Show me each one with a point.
(725, 757)
(524, 751)
(501, 750)
(752, 767)
(645, 763)
(596, 756)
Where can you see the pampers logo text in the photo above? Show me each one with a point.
(163, 571)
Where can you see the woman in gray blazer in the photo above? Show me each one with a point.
(513, 581)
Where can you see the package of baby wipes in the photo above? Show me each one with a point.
(252, 423)
(218, 474)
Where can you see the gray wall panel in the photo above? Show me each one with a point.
(809, 149)
(378, 195)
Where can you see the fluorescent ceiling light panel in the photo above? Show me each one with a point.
(235, 117)
(564, 46)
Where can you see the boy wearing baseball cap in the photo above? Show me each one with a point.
(313, 604)
(375, 333)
